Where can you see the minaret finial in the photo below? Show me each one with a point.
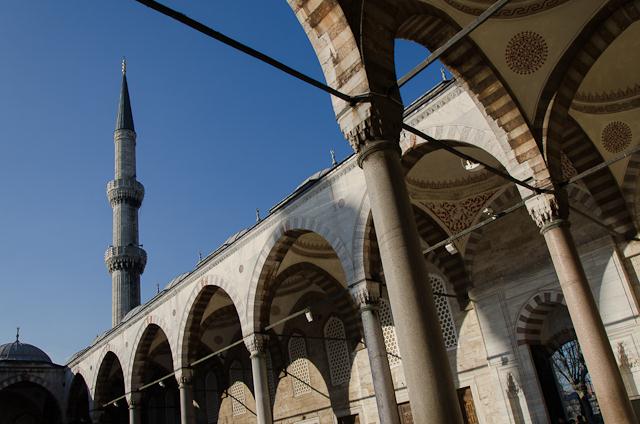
(17, 334)
(334, 162)
(124, 65)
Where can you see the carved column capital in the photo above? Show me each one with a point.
(547, 211)
(366, 294)
(184, 377)
(256, 343)
(380, 118)
(134, 400)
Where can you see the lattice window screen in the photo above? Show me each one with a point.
(271, 376)
(389, 333)
(211, 387)
(299, 366)
(337, 351)
(444, 312)
(236, 390)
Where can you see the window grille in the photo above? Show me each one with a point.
(271, 377)
(444, 311)
(299, 366)
(237, 389)
(337, 351)
(389, 333)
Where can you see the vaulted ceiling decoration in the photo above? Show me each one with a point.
(515, 9)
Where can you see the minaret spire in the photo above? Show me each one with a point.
(125, 258)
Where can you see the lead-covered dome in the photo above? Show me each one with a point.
(18, 351)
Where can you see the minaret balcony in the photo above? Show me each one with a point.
(125, 191)
(132, 258)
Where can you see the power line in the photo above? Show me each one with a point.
(490, 11)
(216, 35)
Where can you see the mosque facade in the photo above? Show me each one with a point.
(408, 283)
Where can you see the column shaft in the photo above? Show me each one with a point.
(261, 387)
(134, 414)
(426, 365)
(187, 413)
(380, 370)
(607, 381)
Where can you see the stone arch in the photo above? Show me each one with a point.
(553, 109)
(104, 389)
(313, 274)
(146, 333)
(107, 350)
(29, 378)
(531, 317)
(602, 185)
(75, 408)
(41, 383)
(196, 302)
(630, 187)
(274, 250)
(457, 135)
(431, 28)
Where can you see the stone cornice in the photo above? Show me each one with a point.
(434, 105)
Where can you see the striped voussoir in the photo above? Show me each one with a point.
(602, 185)
(532, 316)
(26, 377)
(141, 357)
(630, 186)
(452, 266)
(467, 62)
(190, 329)
(298, 278)
(275, 249)
(614, 20)
(108, 360)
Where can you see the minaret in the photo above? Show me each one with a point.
(125, 258)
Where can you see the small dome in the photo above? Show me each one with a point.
(18, 351)
(131, 313)
(176, 280)
(312, 179)
(235, 237)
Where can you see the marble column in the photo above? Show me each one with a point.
(187, 411)
(135, 410)
(550, 214)
(366, 295)
(426, 365)
(257, 347)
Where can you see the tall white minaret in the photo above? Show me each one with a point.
(125, 258)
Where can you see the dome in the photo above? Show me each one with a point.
(18, 351)
(176, 280)
(312, 179)
(131, 313)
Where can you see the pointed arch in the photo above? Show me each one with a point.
(275, 249)
(202, 292)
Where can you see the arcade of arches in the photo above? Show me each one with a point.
(343, 305)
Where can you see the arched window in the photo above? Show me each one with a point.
(299, 365)
(236, 391)
(337, 351)
(389, 333)
(211, 388)
(444, 311)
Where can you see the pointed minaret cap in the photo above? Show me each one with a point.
(124, 119)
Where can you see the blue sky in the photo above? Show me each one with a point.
(219, 135)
